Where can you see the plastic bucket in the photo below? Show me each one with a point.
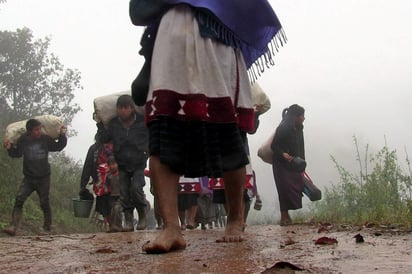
(258, 204)
(81, 208)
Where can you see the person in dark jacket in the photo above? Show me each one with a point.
(34, 147)
(95, 167)
(287, 144)
(89, 171)
(129, 136)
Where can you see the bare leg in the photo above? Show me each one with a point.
(247, 208)
(157, 215)
(234, 187)
(285, 218)
(226, 208)
(182, 218)
(165, 191)
(192, 216)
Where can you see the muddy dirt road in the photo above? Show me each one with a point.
(384, 250)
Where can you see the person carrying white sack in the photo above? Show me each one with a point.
(34, 147)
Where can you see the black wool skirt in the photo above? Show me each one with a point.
(197, 148)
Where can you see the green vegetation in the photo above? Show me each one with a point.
(381, 195)
(380, 192)
(34, 82)
(64, 186)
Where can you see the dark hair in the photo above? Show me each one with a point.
(31, 124)
(293, 111)
(111, 159)
(124, 101)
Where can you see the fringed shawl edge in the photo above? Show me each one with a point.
(266, 60)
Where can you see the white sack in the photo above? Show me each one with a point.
(105, 107)
(51, 126)
(259, 98)
(265, 152)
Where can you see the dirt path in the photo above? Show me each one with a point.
(383, 251)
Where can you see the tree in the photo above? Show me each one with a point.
(32, 81)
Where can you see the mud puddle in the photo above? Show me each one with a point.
(267, 249)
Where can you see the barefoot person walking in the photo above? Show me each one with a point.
(287, 144)
(198, 100)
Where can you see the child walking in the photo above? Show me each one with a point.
(113, 185)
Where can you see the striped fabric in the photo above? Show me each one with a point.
(196, 149)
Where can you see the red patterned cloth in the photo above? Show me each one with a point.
(219, 183)
(189, 185)
(197, 79)
(99, 187)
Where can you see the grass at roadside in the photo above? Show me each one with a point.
(381, 194)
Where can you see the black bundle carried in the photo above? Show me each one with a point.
(297, 164)
(310, 190)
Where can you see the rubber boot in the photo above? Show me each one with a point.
(142, 224)
(47, 221)
(128, 216)
(12, 229)
(115, 222)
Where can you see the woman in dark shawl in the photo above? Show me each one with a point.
(287, 144)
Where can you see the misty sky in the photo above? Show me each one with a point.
(349, 63)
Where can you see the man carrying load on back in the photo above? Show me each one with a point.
(34, 147)
(129, 136)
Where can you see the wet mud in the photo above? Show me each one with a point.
(267, 249)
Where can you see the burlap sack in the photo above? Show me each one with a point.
(50, 126)
(105, 107)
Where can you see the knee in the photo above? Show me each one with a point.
(137, 189)
(45, 204)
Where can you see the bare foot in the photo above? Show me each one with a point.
(285, 222)
(169, 240)
(191, 226)
(233, 233)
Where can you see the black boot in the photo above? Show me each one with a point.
(142, 224)
(128, 226)
(16, 220)
(115, 223)
(47, 221)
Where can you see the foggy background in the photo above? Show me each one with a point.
(348, 63)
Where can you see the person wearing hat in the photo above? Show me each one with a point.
(288, 161)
